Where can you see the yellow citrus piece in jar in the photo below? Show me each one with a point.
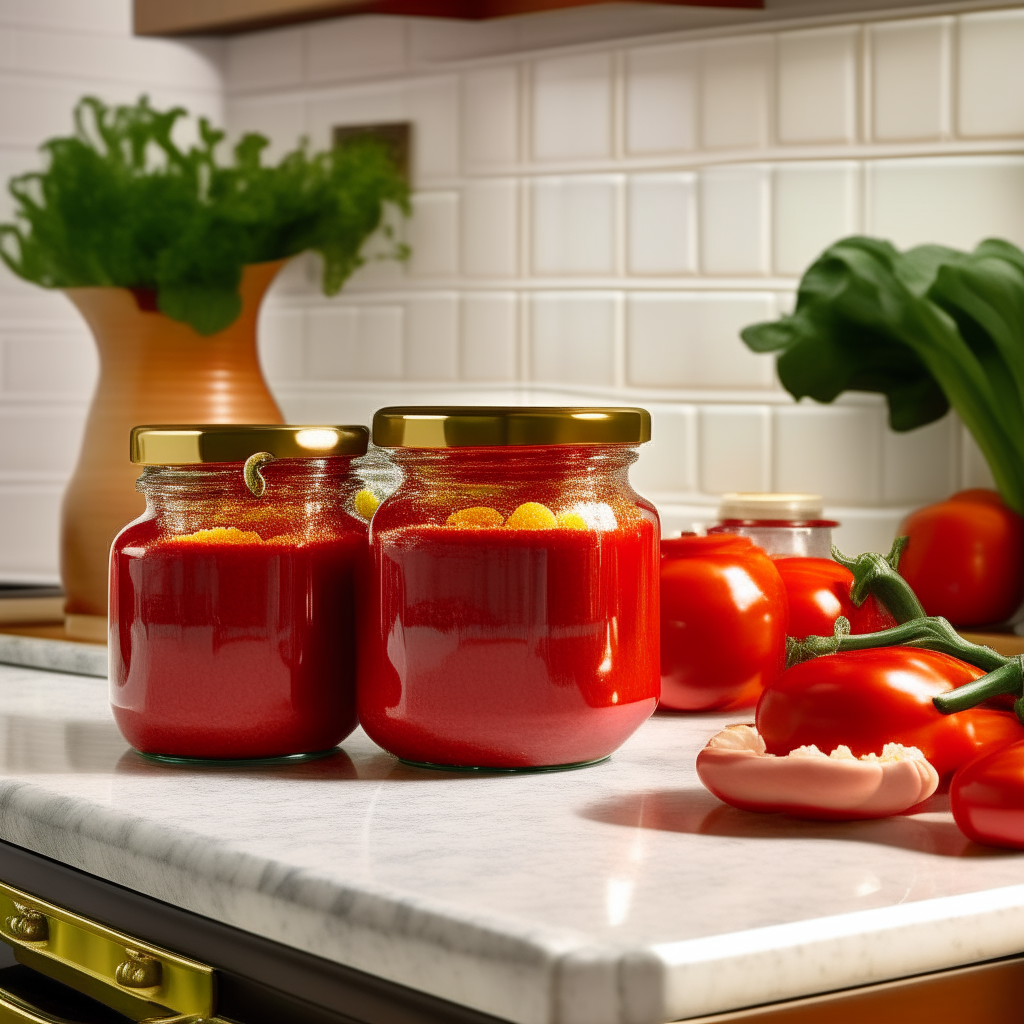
(532, 515)
(571, 521)
(479, 517)
(366, 503)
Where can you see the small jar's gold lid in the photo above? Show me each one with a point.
(182, 445)
(469, 426)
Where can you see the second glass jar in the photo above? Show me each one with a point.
(511, 620)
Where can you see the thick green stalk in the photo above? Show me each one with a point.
(878, 575)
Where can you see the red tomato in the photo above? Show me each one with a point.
(723, 622)
(865, 699)
(965, 558)
(818, 590)
(987, 797)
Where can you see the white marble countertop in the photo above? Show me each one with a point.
(618, 894)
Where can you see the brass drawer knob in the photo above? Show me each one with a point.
(138, 970)
(28, 925)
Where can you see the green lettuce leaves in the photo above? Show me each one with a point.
(928, 328)
(120, 203)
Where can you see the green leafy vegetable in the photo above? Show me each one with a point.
(929, 328)
(121, 204)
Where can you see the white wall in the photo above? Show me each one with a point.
(51, 53)
(594, 223)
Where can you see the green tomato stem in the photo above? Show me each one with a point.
(878, 575)
(1008, 678)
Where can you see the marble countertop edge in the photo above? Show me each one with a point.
(739, 969)
(508, 969)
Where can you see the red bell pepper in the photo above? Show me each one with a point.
(987, 798)
(866, 698)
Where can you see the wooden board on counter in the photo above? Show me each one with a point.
(1002, 643)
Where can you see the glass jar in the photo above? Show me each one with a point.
(783, 525)
(512, 617)
(231, 630)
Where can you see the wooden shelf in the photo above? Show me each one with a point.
(226, 17)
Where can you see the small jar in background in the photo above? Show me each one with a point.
(783, 525)
(511, 621)
(232, 632)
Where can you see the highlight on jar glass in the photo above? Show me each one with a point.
(232, 632)
(512, 616)
(784, 525)
(724, 615)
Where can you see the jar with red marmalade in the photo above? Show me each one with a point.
(231, 631)
(511, 620)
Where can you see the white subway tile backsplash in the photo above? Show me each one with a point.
(363, 46)
(332, 351)
(113, 17)
(31, 111)
(266, 60)
(736, 92)
(29, 532)
(43, 364)
(661, 99)
(817, 85)
(573, 337)
(666, 463)
(36, 437)
(489, 222)
(574, 224)
(990, 74)
(833, 451)
(691, 340)
(282, 345)
(572, 107)
(488, 345)
(379, 103)
(864, 529)
(734, 449)
(956, 201)
(910, 79)
(813, 205)
(432, 337)
(974, 471)
(281, 121)
(920, 465)
(433, 234)
(490, 117)
(434, 109)
(735, 214)
(379, 343)
(662, 224)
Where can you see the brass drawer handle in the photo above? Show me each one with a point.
(138, 970)
(28, 925)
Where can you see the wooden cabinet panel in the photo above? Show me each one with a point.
(224, 17)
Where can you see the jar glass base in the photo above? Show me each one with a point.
(526, 770)
(225, 762)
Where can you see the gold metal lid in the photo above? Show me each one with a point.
(481, 426)
(180, 445)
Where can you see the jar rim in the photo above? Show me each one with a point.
(487, 426)
(190, 444)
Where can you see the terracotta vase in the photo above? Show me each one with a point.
(152, 370)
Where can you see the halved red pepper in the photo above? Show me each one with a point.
(866, 698)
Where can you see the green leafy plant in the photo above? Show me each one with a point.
(120, 203)
(928, 328)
